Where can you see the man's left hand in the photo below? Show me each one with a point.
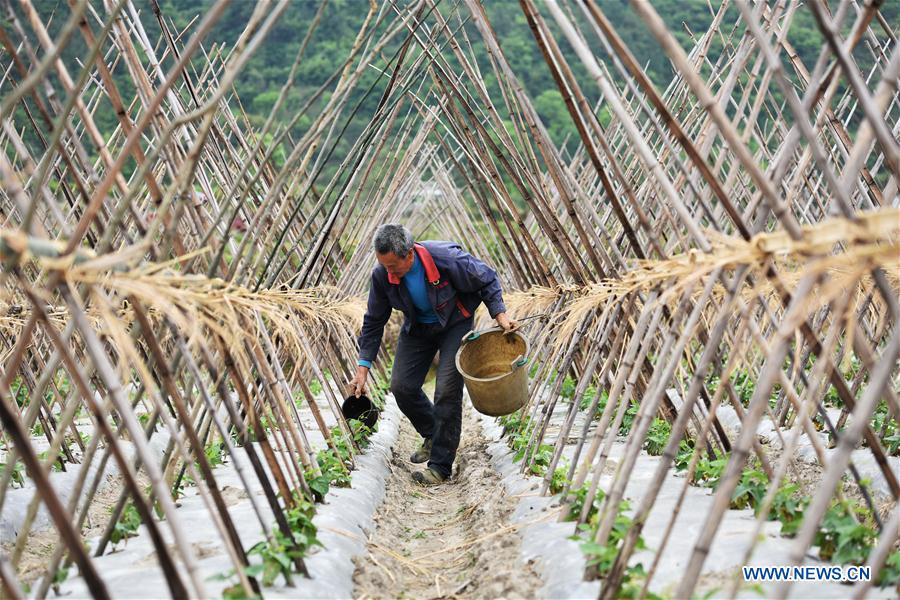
(506, 323)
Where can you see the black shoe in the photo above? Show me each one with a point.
(423, 453)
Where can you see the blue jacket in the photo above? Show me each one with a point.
(459, 282)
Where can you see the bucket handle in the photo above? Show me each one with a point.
(519, 361)
(474, 335)
(471, 336)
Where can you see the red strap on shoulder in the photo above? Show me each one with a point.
(432, 275)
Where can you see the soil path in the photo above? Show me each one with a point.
(452, 540)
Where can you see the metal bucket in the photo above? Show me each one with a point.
(492, 365)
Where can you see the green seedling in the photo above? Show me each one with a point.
(628, 419)
(17, 477)
(361, 432)
(890, 572)
(559, 480)
(127, 525)
(657, 437)
(278, 555)
(844, 539)
(750, 490)
(215, 453)
(334, 471)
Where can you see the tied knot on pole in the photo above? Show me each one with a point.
(13, 248)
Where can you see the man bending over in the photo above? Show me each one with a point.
(437, 286)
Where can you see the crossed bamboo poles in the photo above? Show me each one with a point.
(637, 353)
(443, 155)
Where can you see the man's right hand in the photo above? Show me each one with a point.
(358, 383)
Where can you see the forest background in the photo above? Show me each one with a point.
(259, 83)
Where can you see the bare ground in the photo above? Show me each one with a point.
(41, 544)
(452, 540)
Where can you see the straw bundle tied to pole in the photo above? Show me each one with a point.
(845, 250)
(834, 246)
(198, 305)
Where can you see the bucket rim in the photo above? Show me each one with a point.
(495, 377)
(369, 416)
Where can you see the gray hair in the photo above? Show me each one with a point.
(393, 237)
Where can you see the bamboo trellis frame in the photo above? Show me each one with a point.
(689, 241)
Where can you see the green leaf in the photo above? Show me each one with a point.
(254, 570)
(319, 485)
(271, 572)
(223, 576)
(258, 547)
(283, 560)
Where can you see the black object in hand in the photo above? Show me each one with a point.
(362, 409)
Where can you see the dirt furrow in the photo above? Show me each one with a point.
(453, 540)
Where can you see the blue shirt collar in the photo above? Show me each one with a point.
(416, 268)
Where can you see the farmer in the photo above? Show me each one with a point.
(437, 286)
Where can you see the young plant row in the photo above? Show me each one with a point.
(847, 534)
(743, 381)
(600, 557)
(278, 556)
(885, 426)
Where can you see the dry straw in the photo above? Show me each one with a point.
(200, 305)
(847, 251)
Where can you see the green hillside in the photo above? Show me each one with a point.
(259, 83)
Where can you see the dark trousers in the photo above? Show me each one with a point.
(441, 421)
